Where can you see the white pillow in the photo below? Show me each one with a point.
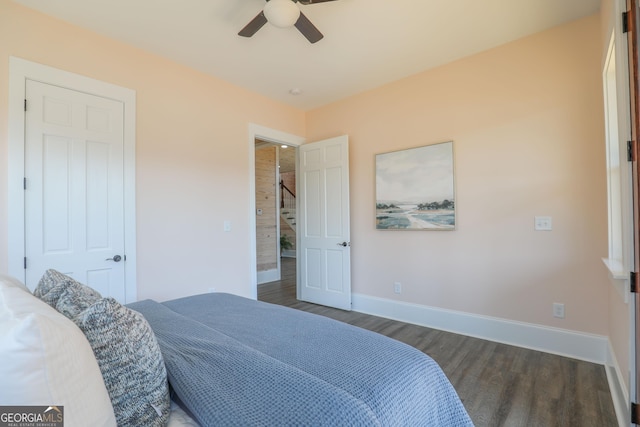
(46, 360)
(12, 281)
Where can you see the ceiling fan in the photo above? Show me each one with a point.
(284, 14)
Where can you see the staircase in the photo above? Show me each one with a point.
(288, 206)
(288, 218)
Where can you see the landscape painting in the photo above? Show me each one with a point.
(415, 189)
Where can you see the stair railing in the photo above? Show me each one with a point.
(287, 198)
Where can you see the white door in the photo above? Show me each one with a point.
(323, 223)
(74, 203)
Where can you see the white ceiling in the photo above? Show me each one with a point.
(367, 43)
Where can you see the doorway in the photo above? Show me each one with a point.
(323, 259)
(271, 136)
(22, 72)
(275, 172)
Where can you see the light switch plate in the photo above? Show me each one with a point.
(543, 223)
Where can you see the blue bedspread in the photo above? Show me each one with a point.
(233, 361)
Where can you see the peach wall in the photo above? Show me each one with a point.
(527, 124)
(607, 12)
(192, 133)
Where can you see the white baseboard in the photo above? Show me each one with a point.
(268, 276)
(577, 345)
(563, 342)
(619, 392)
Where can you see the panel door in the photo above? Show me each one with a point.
(74, 203)
(324, 232)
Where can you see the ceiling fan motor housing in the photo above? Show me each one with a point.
(281, 13)
(284, 14)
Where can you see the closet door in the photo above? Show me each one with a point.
(74, 192)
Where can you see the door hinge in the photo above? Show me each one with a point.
(633, 282)
(630, 152)
(25, 105)
(625, 22)
(25, 263)
(635, 413)
(24, 183)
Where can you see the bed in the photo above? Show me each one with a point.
(230, 361)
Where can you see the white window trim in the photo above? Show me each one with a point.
(619, 257)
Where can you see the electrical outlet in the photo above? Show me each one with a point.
(397, 287)
(558, 310)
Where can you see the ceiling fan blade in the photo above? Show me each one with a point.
(252, 27)
(305, 2)
(308, 29)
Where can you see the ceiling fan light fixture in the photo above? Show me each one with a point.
(281, 13)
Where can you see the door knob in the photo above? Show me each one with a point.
(116, 258)
(344, 244)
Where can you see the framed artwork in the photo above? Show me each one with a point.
(415, 189)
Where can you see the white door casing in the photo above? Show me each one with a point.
(323, 223)
(105, 94)
(74, 187)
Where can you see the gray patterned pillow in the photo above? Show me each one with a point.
(130, 361)
(51, 285)
(75, 298)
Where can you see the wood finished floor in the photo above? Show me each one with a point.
(500, 385)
